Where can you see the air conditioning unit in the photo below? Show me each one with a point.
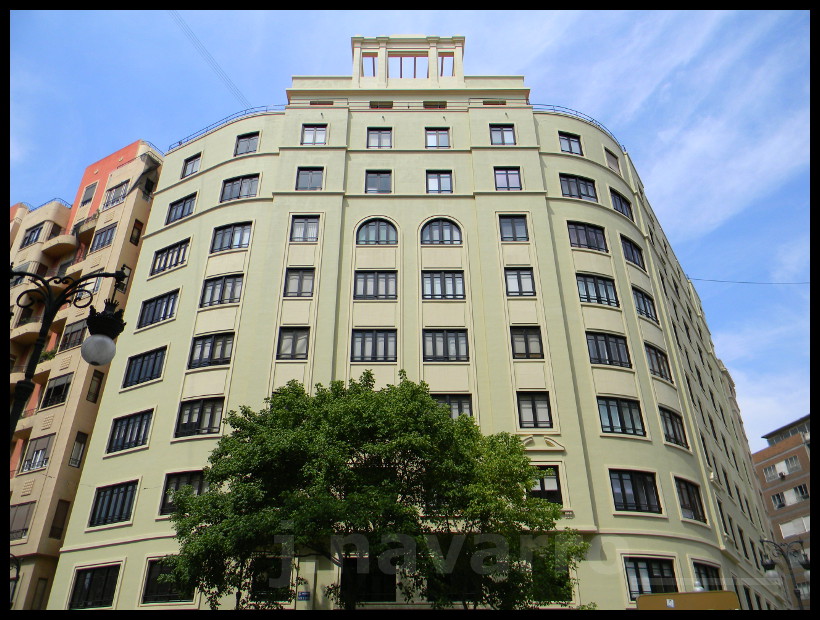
(782, 474)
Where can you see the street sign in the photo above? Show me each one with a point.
(714, 599)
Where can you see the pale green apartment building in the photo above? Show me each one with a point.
(411, 217)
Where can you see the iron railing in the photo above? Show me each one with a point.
(557, 109)
(228, 119)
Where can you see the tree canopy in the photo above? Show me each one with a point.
(387, 474)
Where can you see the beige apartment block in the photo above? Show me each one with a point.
(411, 217)
(101, 231)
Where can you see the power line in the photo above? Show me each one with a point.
(743, 282)
(210, 59)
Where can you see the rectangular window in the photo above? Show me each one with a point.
(144, 367)
(621, 416)
(158, 309)
(634, 491)
(649, 576)
(442, 285)
(377, 182)
(56, 391)
(309, 179)
(708, 576)
(103, 238)
(526, 343)
(191, 165)
(113, 504)
(173, 482)
(239, 187)
(439, 182)
(88, 194)
(507, 179)
(157, 591)
(658, 363)
(136, 232)
(379, 137)
(78, 449)
(644, 304)
(612, 161)
(129, 431)
(304, 228)
(632, 252)
(375, 285)
(211, 350)
(792, 464)
(246, 143)
(314, 134)
(293, 343)
(123, 284)
(437, 138)
(381, 105)
(690, 503)
(621, 204)
(115, 195)
(673, 429)
(73, 335)
(608, 349)
(199, 417)
(519, 281)
(596, 290)
(181, 208)
(94, 386)
(231, 237)
(169, 257)
(548, 487)
(299, 283)
(513, 227)
(445, 345)
(502, 135)
(221, 290)
(37, 453)
(94, 587)
(458, 404)
(534, 410)
(586, 236)
(373, 345)
(20, 520)
(60, 517)
(578, 187)
(570, 143)
(31, 236)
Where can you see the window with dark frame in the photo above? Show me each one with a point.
(115, 196)
(221, 290)
(38, 451)
(375, 285)
(445, 345)
(32, 236)
(621, 204)
(440, 232)
(314, 135)
(123, 284)
(570, 143)
(299, 282)
(156, 591)
(377, 182)
(502, 135)
(94, 587)
(156, 309)
(644, 304)
(293, 343)
(58, 521)
(191, 165)
(88, 194)
(304, 228)
(103, 238)
(442, 285)
(379, 138)
(620, 416)
(578, 187)
(458, 404)
(20, 520)
(231, 237)
(373, 345)
(180, 208)
(211, 350)
(73, 335)
(534, 410)
(513, 227)
(612, 161)
(56, 391)
(507, 179)
(309, 179)
(75, 459)
(437, 138)
(439, 182)
(634, 491)
(377, 232)
(129, 431)
(673, 429)
(113, 504)
(596, 290)
(632, 252)
(520, 282)
(199, 417)
(586, 236)
(690, 503)
(526, 343)
(658, 362)
(95, 386)
(246, 143)
(708, 576)
(173, 482)
(239, 187)
(649, 576)
(169, 257)
(136, 232)
(548, 486)
(608, 349)
(144, 367)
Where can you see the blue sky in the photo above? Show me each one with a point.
(712, 106)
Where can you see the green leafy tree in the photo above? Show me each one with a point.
(386, 470)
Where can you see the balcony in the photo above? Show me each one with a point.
(62, 244)
(16, 373)
(84, 229)
(26, 330)
(26, 422)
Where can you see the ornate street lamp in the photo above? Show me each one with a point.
(785, 550)
(53, 293)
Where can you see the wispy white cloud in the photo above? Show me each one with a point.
(791, 259)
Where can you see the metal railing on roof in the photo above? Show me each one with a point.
(60, 200)
(557, 109)
(228, 119)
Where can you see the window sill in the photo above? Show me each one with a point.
(379, 301)
(232, 304)
(458, 300)
(594, 304)
(108, 526)
(109, 455)
(677, 447)
(591, 250)
(637, 513)
(47, 407)
(139, 385)
(157, 324)
(373, 362)
(165, 271)
(628, 369)
(695, 522)
(189, 371)
(626, 436)
(654, 322)
(31, 471)
(662, 380)
(196, 437)
(226, 251)
(291, 360)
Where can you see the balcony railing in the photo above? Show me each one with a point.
(228, 119)
(557, 109)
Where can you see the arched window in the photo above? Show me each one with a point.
(440, 232)
(377, 232)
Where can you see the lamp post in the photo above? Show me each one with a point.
(53, 293)
(785, 550)
(14, 576)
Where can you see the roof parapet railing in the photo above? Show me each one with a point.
(557, 109)
(228, 119)
(60, 200)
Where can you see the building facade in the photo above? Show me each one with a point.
(100, 231)
(783, 470)
(411, 217)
